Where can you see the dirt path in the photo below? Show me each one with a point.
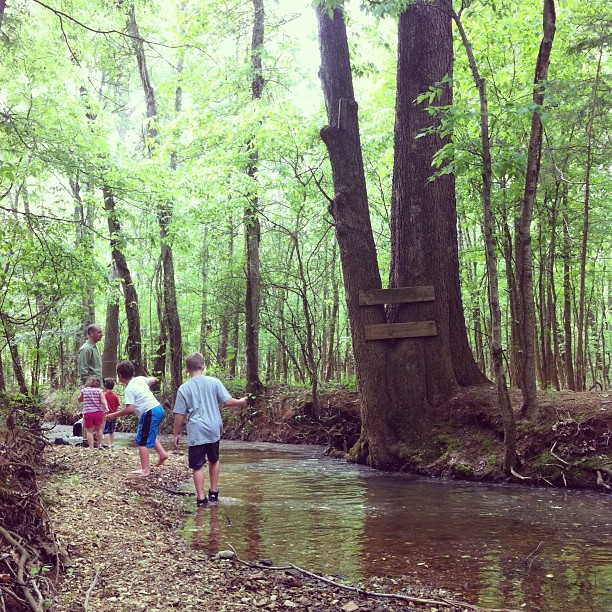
(126, 552)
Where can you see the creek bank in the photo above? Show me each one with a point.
(126, 553)
(569, 446)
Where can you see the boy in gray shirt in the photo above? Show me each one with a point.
(198, 402)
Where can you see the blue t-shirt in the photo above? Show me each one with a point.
(198, 399)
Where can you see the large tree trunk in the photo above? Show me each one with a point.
(524, 256)
(350, 212)
(424, 247)
(164, 215)
(132, 311)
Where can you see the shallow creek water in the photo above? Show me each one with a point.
(517, 547)
(510, 546)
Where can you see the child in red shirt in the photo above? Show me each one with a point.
(113, 403)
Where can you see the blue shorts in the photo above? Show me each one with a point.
(148, 426)
(109, 427)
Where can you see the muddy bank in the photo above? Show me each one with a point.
(569, 446)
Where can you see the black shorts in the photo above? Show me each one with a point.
(198, 454)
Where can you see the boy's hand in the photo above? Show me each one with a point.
(176, 441)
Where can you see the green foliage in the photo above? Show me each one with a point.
(72, 121)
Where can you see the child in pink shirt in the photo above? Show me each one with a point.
(94, 409)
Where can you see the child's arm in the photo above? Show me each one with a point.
(179, 419)
(80, 398)
(104, 402)
(236, 403)
(129, 409)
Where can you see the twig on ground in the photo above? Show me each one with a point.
(517, 475)
(436, 602)
(90, 589)
(531, 557)
(557, 456)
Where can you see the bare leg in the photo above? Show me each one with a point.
(143, 452)
(198, 480)
(100, 435)
(90, 437)
(163, 455)
(213, 474)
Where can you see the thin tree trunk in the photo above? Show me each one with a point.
(14, 352)
(164, 214)
(130, 296)
(524, 256)
(204, 293)
(497, 356)
(568, 354)
(251, 219)
(111, 328)
(581, 323)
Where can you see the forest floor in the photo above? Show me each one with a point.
(115, 539)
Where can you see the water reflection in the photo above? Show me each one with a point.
(496, 545)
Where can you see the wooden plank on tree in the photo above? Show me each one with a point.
(400, 295)
(386, 331)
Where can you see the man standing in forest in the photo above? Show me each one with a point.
(89, 362)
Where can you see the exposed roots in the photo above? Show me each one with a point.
(29, 550)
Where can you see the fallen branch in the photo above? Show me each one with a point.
(90, 589)
(517, 475)
(557, 456)
(435, 602)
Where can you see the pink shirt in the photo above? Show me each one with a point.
(92, 399)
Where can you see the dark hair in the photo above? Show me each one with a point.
(195, 361)
(109, 384)
(93, 381)
(126, 370)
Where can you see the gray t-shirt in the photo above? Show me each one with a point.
(198, 399)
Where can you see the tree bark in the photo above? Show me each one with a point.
(164, 215)
(132, 311)
(582, 320)
(251, 219)
(524, 256)
(350, 213)
(497, 356)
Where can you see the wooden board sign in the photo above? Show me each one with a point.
(400, 295)
(387, 331)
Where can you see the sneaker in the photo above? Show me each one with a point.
(213, 496)
(202, 502)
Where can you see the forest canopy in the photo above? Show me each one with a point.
(167, 156)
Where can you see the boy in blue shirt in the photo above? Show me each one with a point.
(198, 402)
(140, 401)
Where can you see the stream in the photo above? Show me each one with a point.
(497, 545)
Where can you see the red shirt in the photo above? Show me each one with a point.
(112, 400)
